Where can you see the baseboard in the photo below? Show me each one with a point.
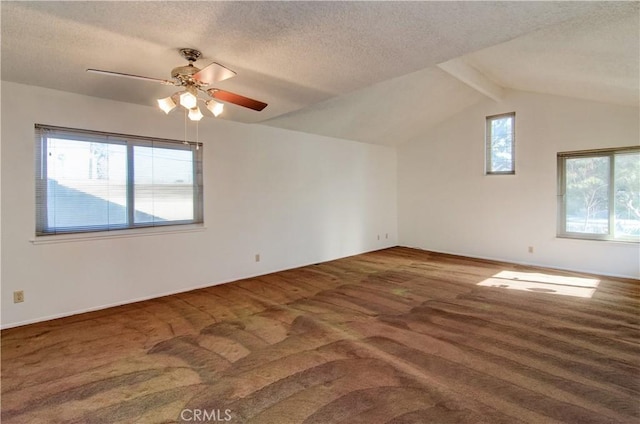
(533, 264)
(170, 293)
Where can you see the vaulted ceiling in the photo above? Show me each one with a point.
(378, 72)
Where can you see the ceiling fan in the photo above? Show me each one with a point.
(195, 80)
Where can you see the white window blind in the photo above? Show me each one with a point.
(96, 181)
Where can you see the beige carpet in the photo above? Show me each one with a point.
(394, 336)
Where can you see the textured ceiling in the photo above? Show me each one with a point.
(356, 70)
(594, 58)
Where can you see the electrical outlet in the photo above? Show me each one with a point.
(378, 236)
(18, 296)
(386, 235)
(530, 249)
(257, 257)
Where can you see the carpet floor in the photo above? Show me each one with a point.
(393, 336)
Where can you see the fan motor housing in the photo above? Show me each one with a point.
(184, 72)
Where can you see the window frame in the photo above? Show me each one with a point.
(562, 198)
(489, 144)
(44, 132)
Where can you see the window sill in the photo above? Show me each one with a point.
(578, 238)
(135, 232)
(500, 173)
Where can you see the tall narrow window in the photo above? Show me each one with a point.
(599, 194)
(93, 181)
(500, 144)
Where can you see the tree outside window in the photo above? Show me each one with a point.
(600, 194)
(500, 144)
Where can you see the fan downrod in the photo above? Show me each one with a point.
(190, 54)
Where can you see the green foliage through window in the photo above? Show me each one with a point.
(599, 194)
(500, 144)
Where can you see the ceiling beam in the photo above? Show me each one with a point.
(460, 69)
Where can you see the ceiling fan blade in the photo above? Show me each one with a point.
(236, 99)
(213, 72)
(120, 74)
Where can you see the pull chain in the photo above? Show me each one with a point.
(185, 127)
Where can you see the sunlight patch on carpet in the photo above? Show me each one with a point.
(543, 283)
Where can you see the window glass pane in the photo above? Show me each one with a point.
(164, 189)
(627, 195)
(94, 181)
(86, 184)
(587, 195)
(501, 144)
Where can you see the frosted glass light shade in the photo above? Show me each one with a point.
(167, 104)
(215, 107)
(195, 114)
(188, 100)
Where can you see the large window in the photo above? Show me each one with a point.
(93, 181)
(500, 154)
(599, 194)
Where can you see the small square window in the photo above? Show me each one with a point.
(500, 156)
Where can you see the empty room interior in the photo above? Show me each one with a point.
(320, 212)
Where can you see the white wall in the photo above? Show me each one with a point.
(294, 198)
(297, 199)
(446, 204)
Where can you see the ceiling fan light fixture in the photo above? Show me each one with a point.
(188, 98)
(215, 107)
(195, 114)
(191, 80)
(167, 104)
